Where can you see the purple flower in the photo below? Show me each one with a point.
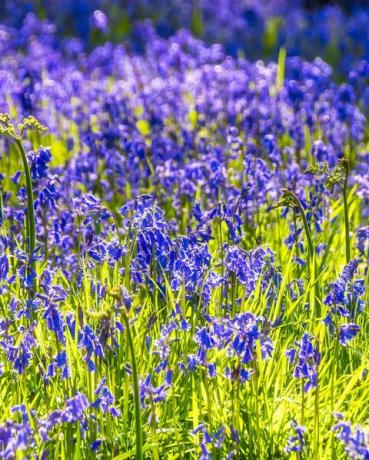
(362, 239)
(90, 342)
(96, 445)
(100, 20)
(55, 321)
(105, 399)
(73, 411)
(61, 363)
(40, 163)
(238, 337)
(4, 267)
(151, 393)
(347, 332)
(209, 441)
(306, 358)
(296, 442)
(345, 292)
(355, 440)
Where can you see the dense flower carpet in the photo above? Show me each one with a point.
(184, 236)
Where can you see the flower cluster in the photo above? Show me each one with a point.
(345, 299)
(306, 358)
(354, 439)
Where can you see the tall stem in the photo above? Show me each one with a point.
(31, 225)
(1, 207)
(139, 438)
(335, 363)
(312, 259)
(316, 420)
(307, 230)
(347, 222)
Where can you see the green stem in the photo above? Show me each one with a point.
(31, 225)
(307, 229)
(155, 450)
(302, 404)
(313, 267)
(139, 438)
(316, 419)
(333, 383)
(347, 223)
(1, 208)
(236, 414)
(255, 389)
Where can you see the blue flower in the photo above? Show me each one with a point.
(296, 442)
(347, 332)
(306, 359)
(60, 362)
(4, 267)
(362, 239)
(88, 340)
(345, 293)
(40, 163)
(149, 392)
(105, 400)
(96, 445)
(16, 437)
(55, 321)
(355, 440)
(73, 411)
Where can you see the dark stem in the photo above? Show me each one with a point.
(31, 225)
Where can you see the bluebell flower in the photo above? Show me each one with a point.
(54, 320)
(238, 337)
(347, 332)
(60, 362)
(362, 240)
(90, 342)
(105, 400)
(96, 445)
(20, 355)
(344, 293)
(97, 251)
(48, 195)
(4, 267)
(250, 267)
(74, 410)
(344, 297)
(354, 439)
(99, 20)
(234, 142)
(40, 163)
(212, 371)
(115, 251)
(150, 393)
(209, 441)
(15, 178)
(26, 273)
(16, 437)
(306, 359)
(296, 442)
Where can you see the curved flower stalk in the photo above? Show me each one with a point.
(290, 200)
(8, 129)
(337, 176)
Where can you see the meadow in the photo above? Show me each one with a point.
(184, 241)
